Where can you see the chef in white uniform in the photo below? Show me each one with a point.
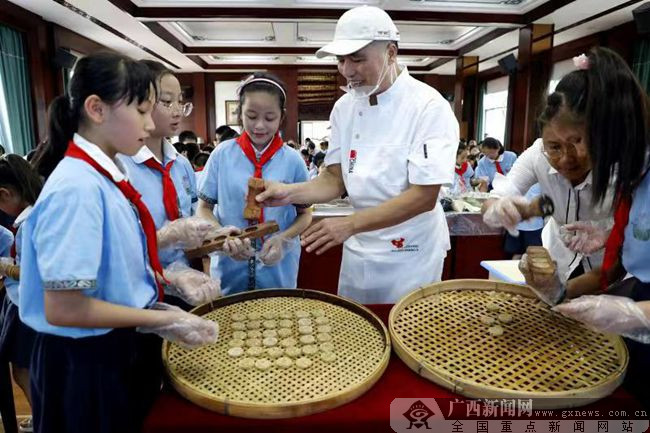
(393, 144)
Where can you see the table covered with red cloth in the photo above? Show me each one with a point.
(369, 412)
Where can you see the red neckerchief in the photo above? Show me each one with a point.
(135, 198)
(170, 198)
(196, 170)
(616, 237)
(498, 167)
(461, 171)
(244, 142)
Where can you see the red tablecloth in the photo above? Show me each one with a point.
(370, 412)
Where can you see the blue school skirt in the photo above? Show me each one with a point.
(103, 384)
(16, 338)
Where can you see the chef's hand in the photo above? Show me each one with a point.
(585, 237)
(504, 213)
(609, 314)
(547, 287)
(327, 233)
(274, 194)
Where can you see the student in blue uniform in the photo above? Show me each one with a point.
(166, 180)
(464, 180)
(19, 188)
(258, 152)
(495, 160)
(90, 274)
(608, 109)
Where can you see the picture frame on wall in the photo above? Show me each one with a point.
(231, 112)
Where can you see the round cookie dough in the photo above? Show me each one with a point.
(492, 307)
(237, 317)
(495, 330)
(235, 352)
(269, 315)
(253, 324)
(254, 316)
(285, 323)
(263, 364)
(236, 343)
(305, 330)
(322, 337)
(253, 342)
(505, 318)
(275, 352)
(304, 321)
(307, 339)
(318, 312)
(238, 326)
(303, 362)
(284, 332)
(326, 347)
(324, 329)
(328, 357)
(309, 349)
(270, 324)
(254, 351)
(293, 351)
(284, 362)
(246, 363)
(285, 315)
(270, 341)
(239, 335)
(270, 333)
(288, 342)
(302, 314)
(488, 320)
(322, 320)
(254, 334)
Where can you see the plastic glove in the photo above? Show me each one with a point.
(585, 237)
(275, 248)
(185, 329)
(185, 233)
(548, 288)
(190, 285)
(609, 314)
(238, 249)
(504, 213)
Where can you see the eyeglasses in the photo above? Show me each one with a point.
(558, 152)
(185, 109)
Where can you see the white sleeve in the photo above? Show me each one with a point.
(522, 175)
(432, 154)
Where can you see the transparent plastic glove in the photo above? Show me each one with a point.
(548, 288)
(185, 329)
(185, 233)
(275, 248)
(609, 314)
(585, 237)
(504, 213)
(190, 285)
(238, 249)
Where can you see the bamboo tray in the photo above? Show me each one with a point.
(439, 333)
(213, 380)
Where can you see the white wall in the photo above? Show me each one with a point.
(224, 91)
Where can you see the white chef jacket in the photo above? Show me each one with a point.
(409, 138)
(572, 203)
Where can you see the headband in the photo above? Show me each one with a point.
(253, 79)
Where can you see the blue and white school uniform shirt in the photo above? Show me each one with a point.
(636, 245)
(225, 184)
(149, 183)
(486, 168)
(83, 234)
(10, 283)
(463, 179)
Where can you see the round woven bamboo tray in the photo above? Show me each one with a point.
(438, 331)
(210, 378)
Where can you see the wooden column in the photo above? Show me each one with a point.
(465, 94)
(528, 85)
(290, 78)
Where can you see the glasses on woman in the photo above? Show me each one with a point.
(185, 109)
(556, 151)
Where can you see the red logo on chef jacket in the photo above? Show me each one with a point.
(353, 160)
(401, 246)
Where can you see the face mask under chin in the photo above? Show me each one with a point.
(361, 92)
